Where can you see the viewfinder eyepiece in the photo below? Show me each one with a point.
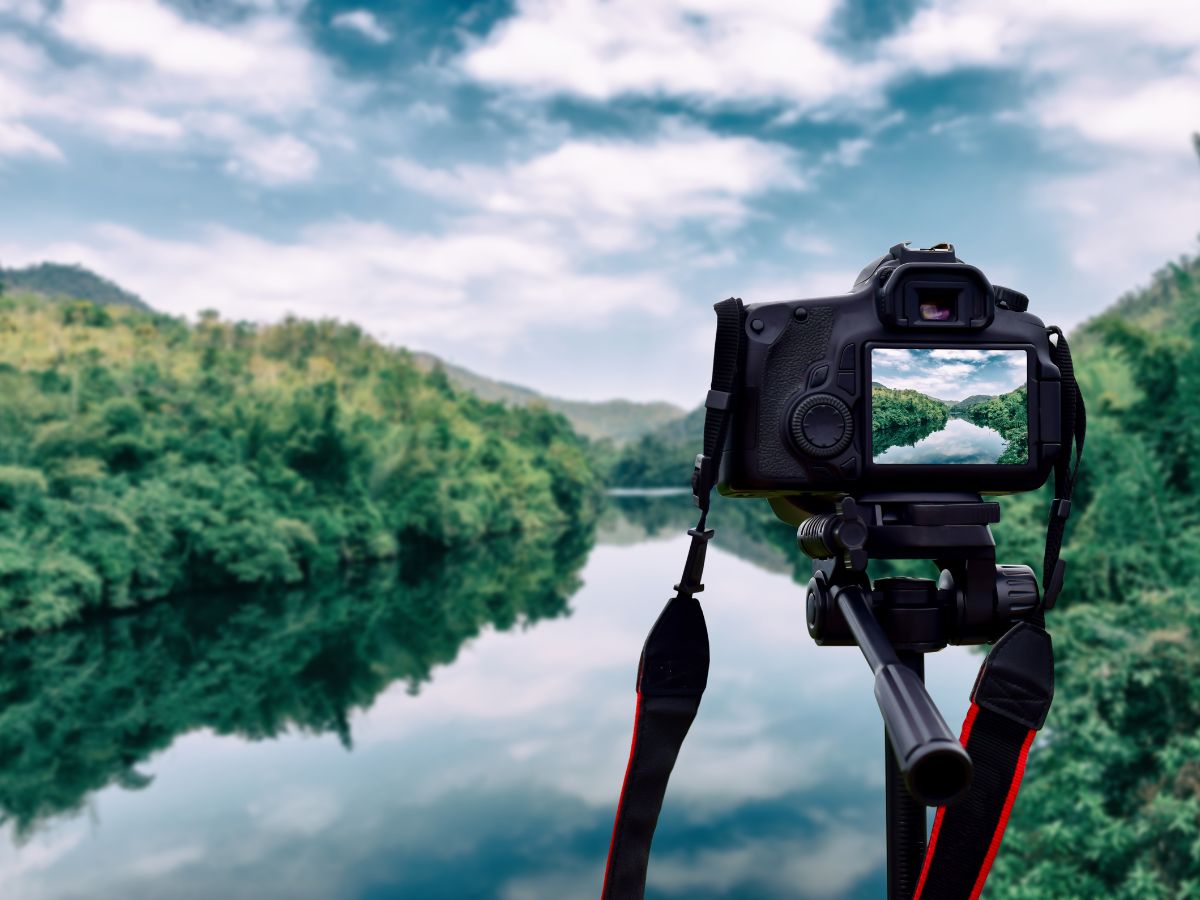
(936, 295)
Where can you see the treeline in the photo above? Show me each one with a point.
(1009, 415)
(660, 458)
(83, 707)
(900, 418)
(141, 457)
(1111, 801)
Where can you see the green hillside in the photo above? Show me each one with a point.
(900, 418)
(619, 421)
(73, 282)
(1111, 806)
(960, 407)
(141, 456)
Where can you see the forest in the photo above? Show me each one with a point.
(141, 457)
(900, 418)
(1007, 414)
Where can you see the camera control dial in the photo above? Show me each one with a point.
(822, 425)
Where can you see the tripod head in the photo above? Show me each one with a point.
(974, 601)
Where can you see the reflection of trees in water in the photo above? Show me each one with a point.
(80, 708)
(904, 435)
(900, 418)
(746, 528)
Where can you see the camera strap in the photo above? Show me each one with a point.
(673, 671)
(1066, 470)
(1009, 702)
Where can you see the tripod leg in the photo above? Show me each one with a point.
(905, 815)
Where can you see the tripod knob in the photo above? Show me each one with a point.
(841, 534)
(1016, 594)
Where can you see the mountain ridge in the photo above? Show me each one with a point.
(618, 420)
(74, 281)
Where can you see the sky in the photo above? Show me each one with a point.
(950, 374)
(555, 192)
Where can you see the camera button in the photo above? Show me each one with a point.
(846, 364)
(847, 382)
(818, 376)
(821, 426)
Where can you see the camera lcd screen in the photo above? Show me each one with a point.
(935, 406)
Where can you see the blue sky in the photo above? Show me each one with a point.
(555, 191)
(950, 374)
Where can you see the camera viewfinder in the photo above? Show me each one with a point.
(938, 304)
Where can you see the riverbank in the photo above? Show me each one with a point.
(142, 457)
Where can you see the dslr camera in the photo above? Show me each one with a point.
(925, 376)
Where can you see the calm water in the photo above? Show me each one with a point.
(960, 442)
(455, 731)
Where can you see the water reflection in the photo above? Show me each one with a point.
(497, 779)
(960, 442)
(83, 707)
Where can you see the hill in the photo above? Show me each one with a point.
(142, 456)
(961, 406)
(1111, 807)
(620, 421)
(69, 281)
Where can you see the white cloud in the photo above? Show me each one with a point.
(263, 64)
(614, 192)
(829, 864)
(17, 139)
(746, 51)
(1123, 221)
(475, 287)
(30, 11)
(277, 160)
(765, 52)
(950, 374)
(364, 23)
(140, 123)
(158, 863)
(297, 811)
(146, 75)
(1149, 100)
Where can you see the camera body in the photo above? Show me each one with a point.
(924, 377)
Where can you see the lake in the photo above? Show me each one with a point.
(456, 729)
(959, 442)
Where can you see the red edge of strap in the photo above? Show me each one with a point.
(612, 844)
(968, 722)
(994, 847)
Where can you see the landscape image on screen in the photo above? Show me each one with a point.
(955, 407)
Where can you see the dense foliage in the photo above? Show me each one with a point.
(82, 707)
(140, 457)
(1111, 805)
(900, 418)
(661, 458)
(1007, 414)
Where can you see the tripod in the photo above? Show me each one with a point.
(896, 621)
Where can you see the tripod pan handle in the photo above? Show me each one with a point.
(935, 766)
